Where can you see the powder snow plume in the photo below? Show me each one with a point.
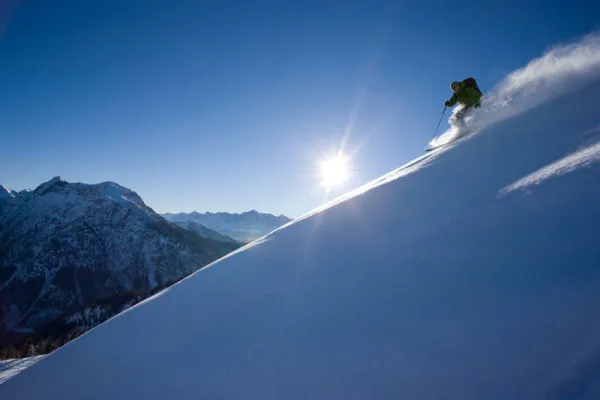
(561, 70)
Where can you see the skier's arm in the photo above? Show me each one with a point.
(452, 101)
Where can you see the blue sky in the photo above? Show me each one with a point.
(227, 106)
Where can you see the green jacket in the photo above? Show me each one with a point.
(466, 96)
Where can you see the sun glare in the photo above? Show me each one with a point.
(334, 171)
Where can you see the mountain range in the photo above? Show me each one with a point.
(244, 227)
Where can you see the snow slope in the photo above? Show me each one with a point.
(10, 368)
(471, 273)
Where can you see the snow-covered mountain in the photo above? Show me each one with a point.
(202, 230)
(244, 227)
(472, 272)
(66, 246)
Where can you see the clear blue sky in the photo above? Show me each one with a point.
(225, 106)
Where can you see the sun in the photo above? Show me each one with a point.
(334, 170)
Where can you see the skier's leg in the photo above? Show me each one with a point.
(460, 116)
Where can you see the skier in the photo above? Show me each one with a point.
(466, 93)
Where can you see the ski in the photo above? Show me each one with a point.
(461, 137)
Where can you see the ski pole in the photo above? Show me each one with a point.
(438, 125)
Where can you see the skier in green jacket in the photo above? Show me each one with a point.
(468, 96)
(466, 93)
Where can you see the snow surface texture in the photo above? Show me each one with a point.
(431, 282)
(560, 71)
(10, 368)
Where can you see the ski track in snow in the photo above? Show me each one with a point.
(580, 158)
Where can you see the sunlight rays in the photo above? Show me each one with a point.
(334, 170)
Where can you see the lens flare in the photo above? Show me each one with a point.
(334, 171)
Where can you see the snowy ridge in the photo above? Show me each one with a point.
(430, 282)
(5, 193)
(60, 192)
